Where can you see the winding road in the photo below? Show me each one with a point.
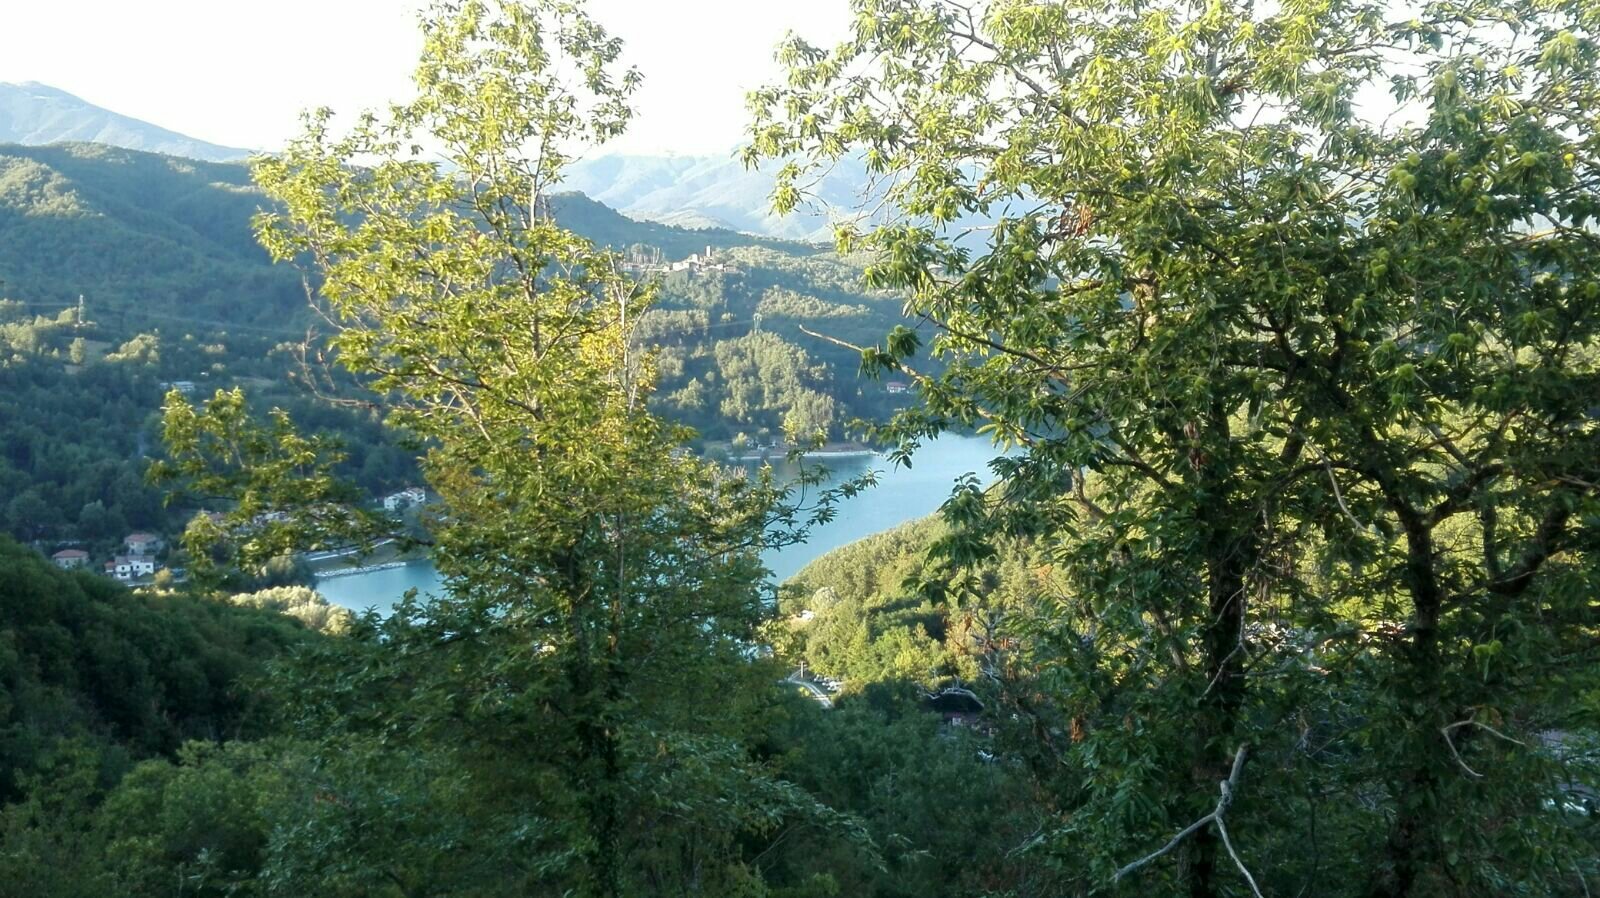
(817, 692)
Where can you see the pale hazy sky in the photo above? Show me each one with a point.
(238, 73)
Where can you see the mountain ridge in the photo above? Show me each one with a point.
(35, 114)
(692, 191)
(672, 188)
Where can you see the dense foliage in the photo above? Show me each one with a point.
(1286, 584)
(1304, 397)
(87, 667)
(79, 409)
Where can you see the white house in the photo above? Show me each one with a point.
(406, 498)
(131, 567)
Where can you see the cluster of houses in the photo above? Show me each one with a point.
(410, 497)
(696, 263)
(138, 562)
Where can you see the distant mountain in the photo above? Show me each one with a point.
(717, 191)
(689, 234)
(701, 190)
(36, 114)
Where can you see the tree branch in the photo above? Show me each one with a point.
(1472, 721)
(1215, 817)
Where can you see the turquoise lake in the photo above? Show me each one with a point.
(902, 494)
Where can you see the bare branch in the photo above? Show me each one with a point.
(1337, 495)
(1445, 731)
(1222, 830)
(1472, 721)
(1215, 817)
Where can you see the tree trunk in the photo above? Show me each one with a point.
(1414, 847)
(1216, 731)
(592, 678)
(1229, 554)
(600, 749)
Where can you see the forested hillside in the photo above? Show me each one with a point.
(883, 609)
(149, 238)
(1284, 582)
(144, 238)
(734, 359)
(174, 287)
(93, 674)
(79, 406)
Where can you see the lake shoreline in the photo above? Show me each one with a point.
(902, 494)
(378, 557)
(834, 450)
(364, 569)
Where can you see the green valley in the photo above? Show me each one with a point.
(174, 288)
(1237, 366)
